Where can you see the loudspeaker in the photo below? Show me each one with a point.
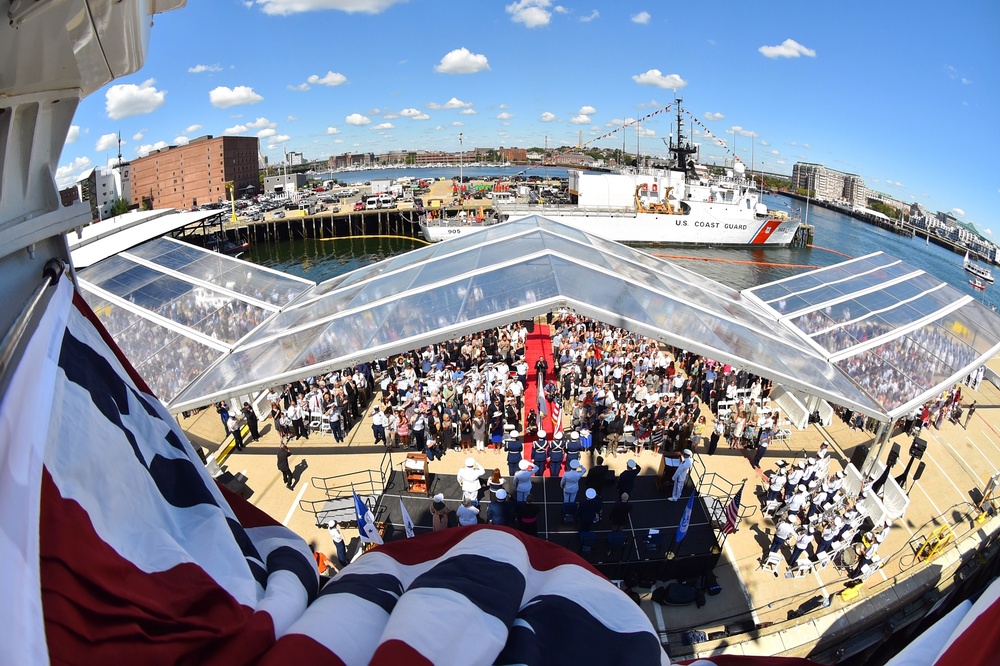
(859, 455)
(918, 447)
(893, 455)
(919, 472)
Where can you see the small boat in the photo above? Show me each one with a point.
(222, 244)
(976, 284)
(979, 272)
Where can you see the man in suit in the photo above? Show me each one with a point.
(286, 469)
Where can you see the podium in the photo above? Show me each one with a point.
(415, 468)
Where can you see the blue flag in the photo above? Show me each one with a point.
(366, 522)
(685, 519)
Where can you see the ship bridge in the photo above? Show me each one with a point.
(873, 334)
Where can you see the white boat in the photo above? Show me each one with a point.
(980, 272)
(977, 284)
(682, 204)
(436, 229)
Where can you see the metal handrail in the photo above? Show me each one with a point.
(51, 273)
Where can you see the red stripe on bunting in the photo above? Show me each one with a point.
(100, 608)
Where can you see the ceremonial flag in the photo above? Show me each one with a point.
(366, 522)
(732, 512)
(557, 424)
(407, 521)
(685, 519)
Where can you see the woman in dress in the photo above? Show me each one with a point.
(495, 483)
(403, 429)
(698, 432)
(439, 513)
(479, 429)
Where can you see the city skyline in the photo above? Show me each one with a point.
(859, 88)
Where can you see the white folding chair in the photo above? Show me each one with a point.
(772, 562)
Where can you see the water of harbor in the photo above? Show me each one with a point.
(740, 268)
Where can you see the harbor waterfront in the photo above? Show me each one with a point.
(837, 236)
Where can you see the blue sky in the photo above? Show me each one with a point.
(904, 94)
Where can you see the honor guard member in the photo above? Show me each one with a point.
(798, 500)
(522, 480)
(680, 476)
(573, 448)
(778, 480)
(812, 465)
(556, 454)
(515, 452)
(540, 452)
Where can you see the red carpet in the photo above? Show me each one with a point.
(539, 343)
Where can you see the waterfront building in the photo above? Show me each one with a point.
(296, 159)
(195, 174)
(102, 186)
(284, 184)
(830, 184)
(346, 160)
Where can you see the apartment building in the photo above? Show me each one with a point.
(830, 184)
(195, 174)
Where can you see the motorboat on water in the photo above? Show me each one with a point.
(979, 272)
(977, 284)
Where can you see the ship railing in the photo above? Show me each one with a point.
(542, 209)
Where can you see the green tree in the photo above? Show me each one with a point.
(119, 207)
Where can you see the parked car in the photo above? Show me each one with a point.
(359, 205)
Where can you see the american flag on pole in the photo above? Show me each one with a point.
(733, 512)
(557, 425)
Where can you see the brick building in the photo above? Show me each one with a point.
(195, 174)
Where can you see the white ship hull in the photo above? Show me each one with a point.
(707, 228)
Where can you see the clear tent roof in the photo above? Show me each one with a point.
(872, 334)
(512, 271)
(897, 332)
(175, 309)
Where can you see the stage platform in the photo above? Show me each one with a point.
(639, 556)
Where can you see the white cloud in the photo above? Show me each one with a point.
(264, 133)
(223, 97)
(532, 13)
(286, 7)
(713, 116)
(331, 79)
(468, 112)
(655, 77)
(384, 126)
(106, 141)
(357, 119)
(807, 146)
(651, 104)
(235, 129)
(127, 99)
(787, 49)
(581, 119)
(462, 61)
(559, 9)
(765, 143)
(615, 122)
(458, 123)
(302, 87)
(453, 103)
(138, 135)
(504, 116)
(590, 17)
(291, 119)
(547, 117)
(641, 18)
(338, 141)
(73, 134)
(587, 110)
(332, 130)
(191, 129)
(502, 106)
(646, 133)
(181, 141)
(198, 69)
(68, 174)
(262, 123)
(738, 130)
(409, 113)
(147, 148)
(277, 141)
(774, 151)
